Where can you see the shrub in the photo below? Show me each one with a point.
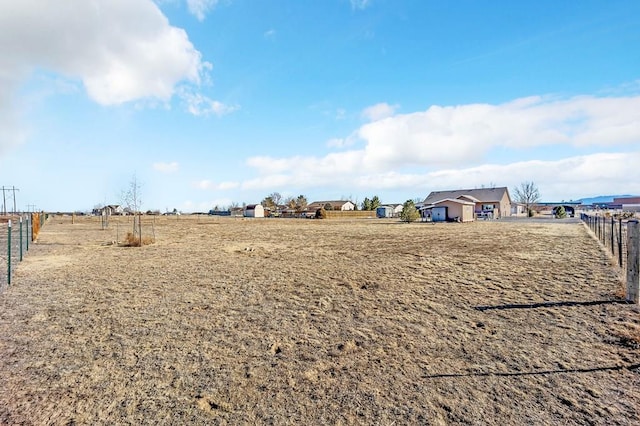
(321, 213)
(409, 212)
(131, 240)
(561, 213)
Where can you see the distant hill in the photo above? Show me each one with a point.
(603, 199)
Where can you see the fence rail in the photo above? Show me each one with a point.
(613, 233)
(17, 232)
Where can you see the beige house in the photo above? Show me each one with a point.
(489, 202)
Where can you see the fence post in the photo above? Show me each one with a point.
(620, 242)
(28, 226)
(20, 238)
(9, 254)
(613, 228)
(633, 261)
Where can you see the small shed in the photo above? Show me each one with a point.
(385, 211)
(254, 210)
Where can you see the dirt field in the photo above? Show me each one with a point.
(284, 321)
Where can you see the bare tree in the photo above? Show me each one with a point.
(132, 199)
(276, 198)
(528, 194)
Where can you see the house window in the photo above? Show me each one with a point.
(487, 207)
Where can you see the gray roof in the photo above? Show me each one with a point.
(452, 200)
(334, 204)
(481, 194)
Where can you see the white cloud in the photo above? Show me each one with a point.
(11, 133)
(222, 186)
(166, 167)
(379, 111)
(330, 165)
(443, 136)
(225, 186)
(336, 143)
(121, 50)
(452, 147)
(204, 184)
(202, 106)
(572, 177)
(360, 4)
(270, 34)
(343, 142)
(199, 8)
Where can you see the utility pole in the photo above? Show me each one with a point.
(14, 198)
(4, 198)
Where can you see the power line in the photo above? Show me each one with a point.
(4, 189)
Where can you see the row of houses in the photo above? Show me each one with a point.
(462, 205)
(257, 210)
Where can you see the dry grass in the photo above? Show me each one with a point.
(231, 321)
(131, 240)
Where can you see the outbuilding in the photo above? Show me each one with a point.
(450, 210)
(253, 210)
(384, 211)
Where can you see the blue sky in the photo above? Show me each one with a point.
(211, 102)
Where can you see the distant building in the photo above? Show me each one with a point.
(340, 205)
(449, 209)
(384, 211)
(389, 210)
(518, 209)
(110, 210)
(570, 207)
(253, 210)
(493, 202)
(628, 204)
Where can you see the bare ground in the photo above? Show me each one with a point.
(231, 321)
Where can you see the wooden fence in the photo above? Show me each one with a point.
(622, 238)
(351, 214)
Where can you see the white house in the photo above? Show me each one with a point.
(111, 209)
